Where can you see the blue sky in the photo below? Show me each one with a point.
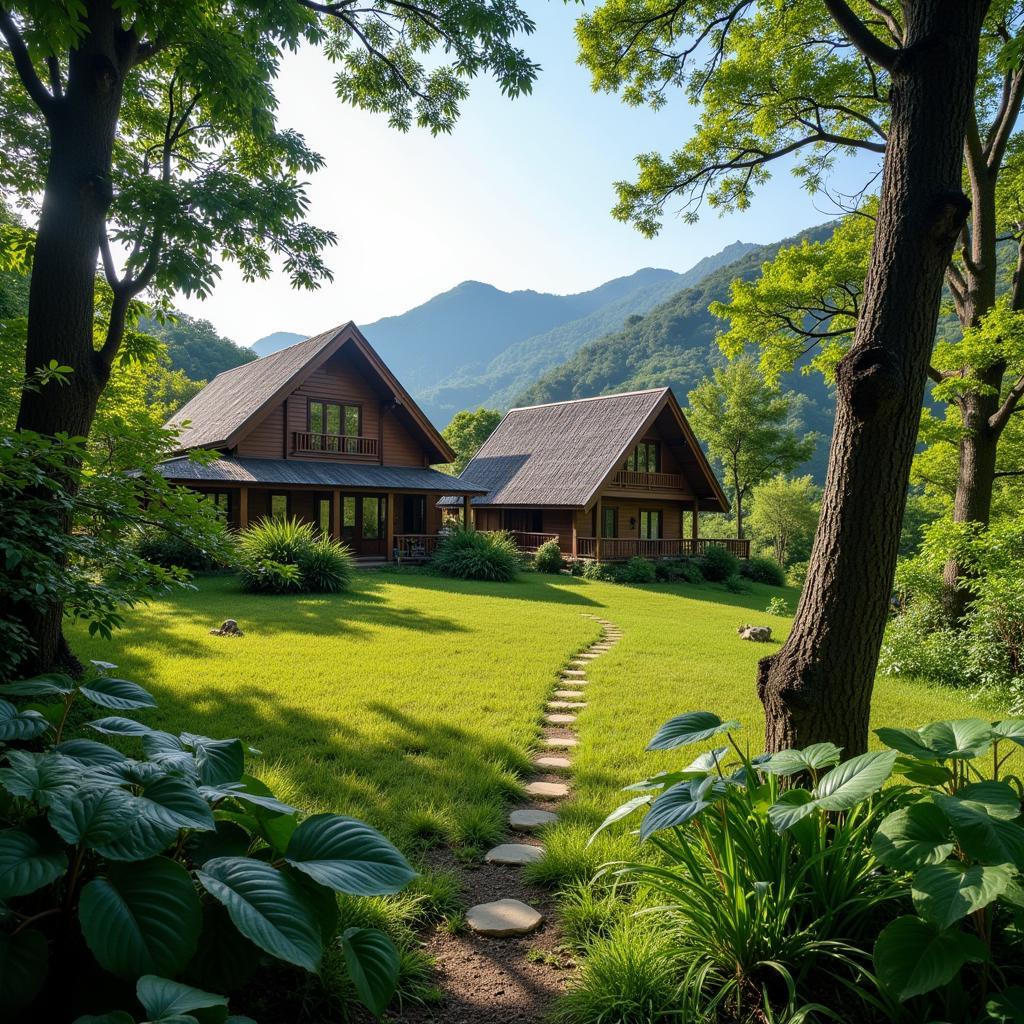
(518, 196)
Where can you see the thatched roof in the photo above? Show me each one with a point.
(563, 453)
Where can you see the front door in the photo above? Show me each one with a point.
(364, 523)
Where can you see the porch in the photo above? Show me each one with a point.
(418, 547)
(618, 549)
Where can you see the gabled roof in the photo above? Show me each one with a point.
(236, 400)
(563, 454)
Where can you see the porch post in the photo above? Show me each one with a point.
(336, 513)
(694, 532)
(574, 535)
(389, 531)
(598, 517)
(243, 508)
(466, 508)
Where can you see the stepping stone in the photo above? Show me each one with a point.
(568, 694)
(514, 853)
(560, 742)
(577, 663)
(559, 719)
(566, 705)
(529, 820)
(553, 762)
(586, 657)
(574, 672)
(547, 790)
(503, 918)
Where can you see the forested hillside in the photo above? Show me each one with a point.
(195, 347)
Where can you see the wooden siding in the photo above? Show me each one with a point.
(341, 380)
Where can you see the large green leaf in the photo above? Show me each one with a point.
(793, 806)
(175, 802)
(114, 1017)
(348, 856)
(678, 805)
(93, 815)
(163, 998)
(622, 811)
(23, 965)
(41, 778)
(962, 738)
(55, 684)
(912, 837)
(267, 907)
(90, 753)
(945, 893)
(913, 956)
(922, 773)
(117, 726)
(906, 741)
(141, 918)
(983, 837)
(854, 780)
(998, 798)
(117, 694)
(1010, 729)
(219, 761)
(141, 838)
(27, 863)
(166, 750)
(812, 758)
(20, 725)
(690, 728)
(373, 966)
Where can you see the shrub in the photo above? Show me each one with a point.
(171, 550)
(767, 882)
(549, 557)
(763, 570)
(796, 574)
(469, 554)
(718, 565)
(637, 570)
(591, 570)
(671, 570)
(170, 864)
(736, 584)
(778, 606)
(280, 556)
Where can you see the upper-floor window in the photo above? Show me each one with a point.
(334, 427)
(645, 457)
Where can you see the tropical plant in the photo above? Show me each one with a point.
(282, 556)
(549, 557)
(173, 864)
(717, 564)
(767, 881)
(469, 554)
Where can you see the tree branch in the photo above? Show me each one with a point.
(1005, 121)
(23, 64)
(1002, 415)
(861, 36)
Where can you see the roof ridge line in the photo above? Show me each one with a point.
(590, 398)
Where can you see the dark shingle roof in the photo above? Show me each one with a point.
(227, 402)
(560, 454)
(283, 472)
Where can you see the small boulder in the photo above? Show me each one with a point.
(229, 627)
(759, 634)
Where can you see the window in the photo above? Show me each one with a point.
(650, 524)
(348, 518)
(414, 513)
(609, 521)
(323, 516)
(645, 457)
(334, 427)
(279, 506)
(373, 517)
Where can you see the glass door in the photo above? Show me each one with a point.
(364, 523)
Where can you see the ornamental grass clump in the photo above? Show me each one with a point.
(469, 554)
(280, 556)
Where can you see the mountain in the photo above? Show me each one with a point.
(674, 344)
(276, 341)
(520, 364)
(195, 346)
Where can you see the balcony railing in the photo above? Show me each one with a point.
(634, 480)
(333, 444)
(415, 547)
(615, 549)
(529, 542)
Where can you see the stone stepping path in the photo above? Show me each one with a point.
(508, 917)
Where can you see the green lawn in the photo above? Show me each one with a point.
(413, 701)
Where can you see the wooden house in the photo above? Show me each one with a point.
(608, 477)
(321, 431)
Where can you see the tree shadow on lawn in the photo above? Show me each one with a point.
(378, 762)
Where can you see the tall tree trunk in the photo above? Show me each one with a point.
(61, 294)
(818, 686)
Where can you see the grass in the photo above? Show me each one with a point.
(413, 701)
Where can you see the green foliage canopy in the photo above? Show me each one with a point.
(466, 433)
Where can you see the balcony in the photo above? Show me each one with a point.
(310, 443)
(635, 480)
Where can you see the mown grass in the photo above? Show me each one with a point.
(413, 701)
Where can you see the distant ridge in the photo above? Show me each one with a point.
(276, 341)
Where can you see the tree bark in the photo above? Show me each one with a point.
(82, 125)
(818, 686)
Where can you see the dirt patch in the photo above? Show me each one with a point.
(494, 981)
